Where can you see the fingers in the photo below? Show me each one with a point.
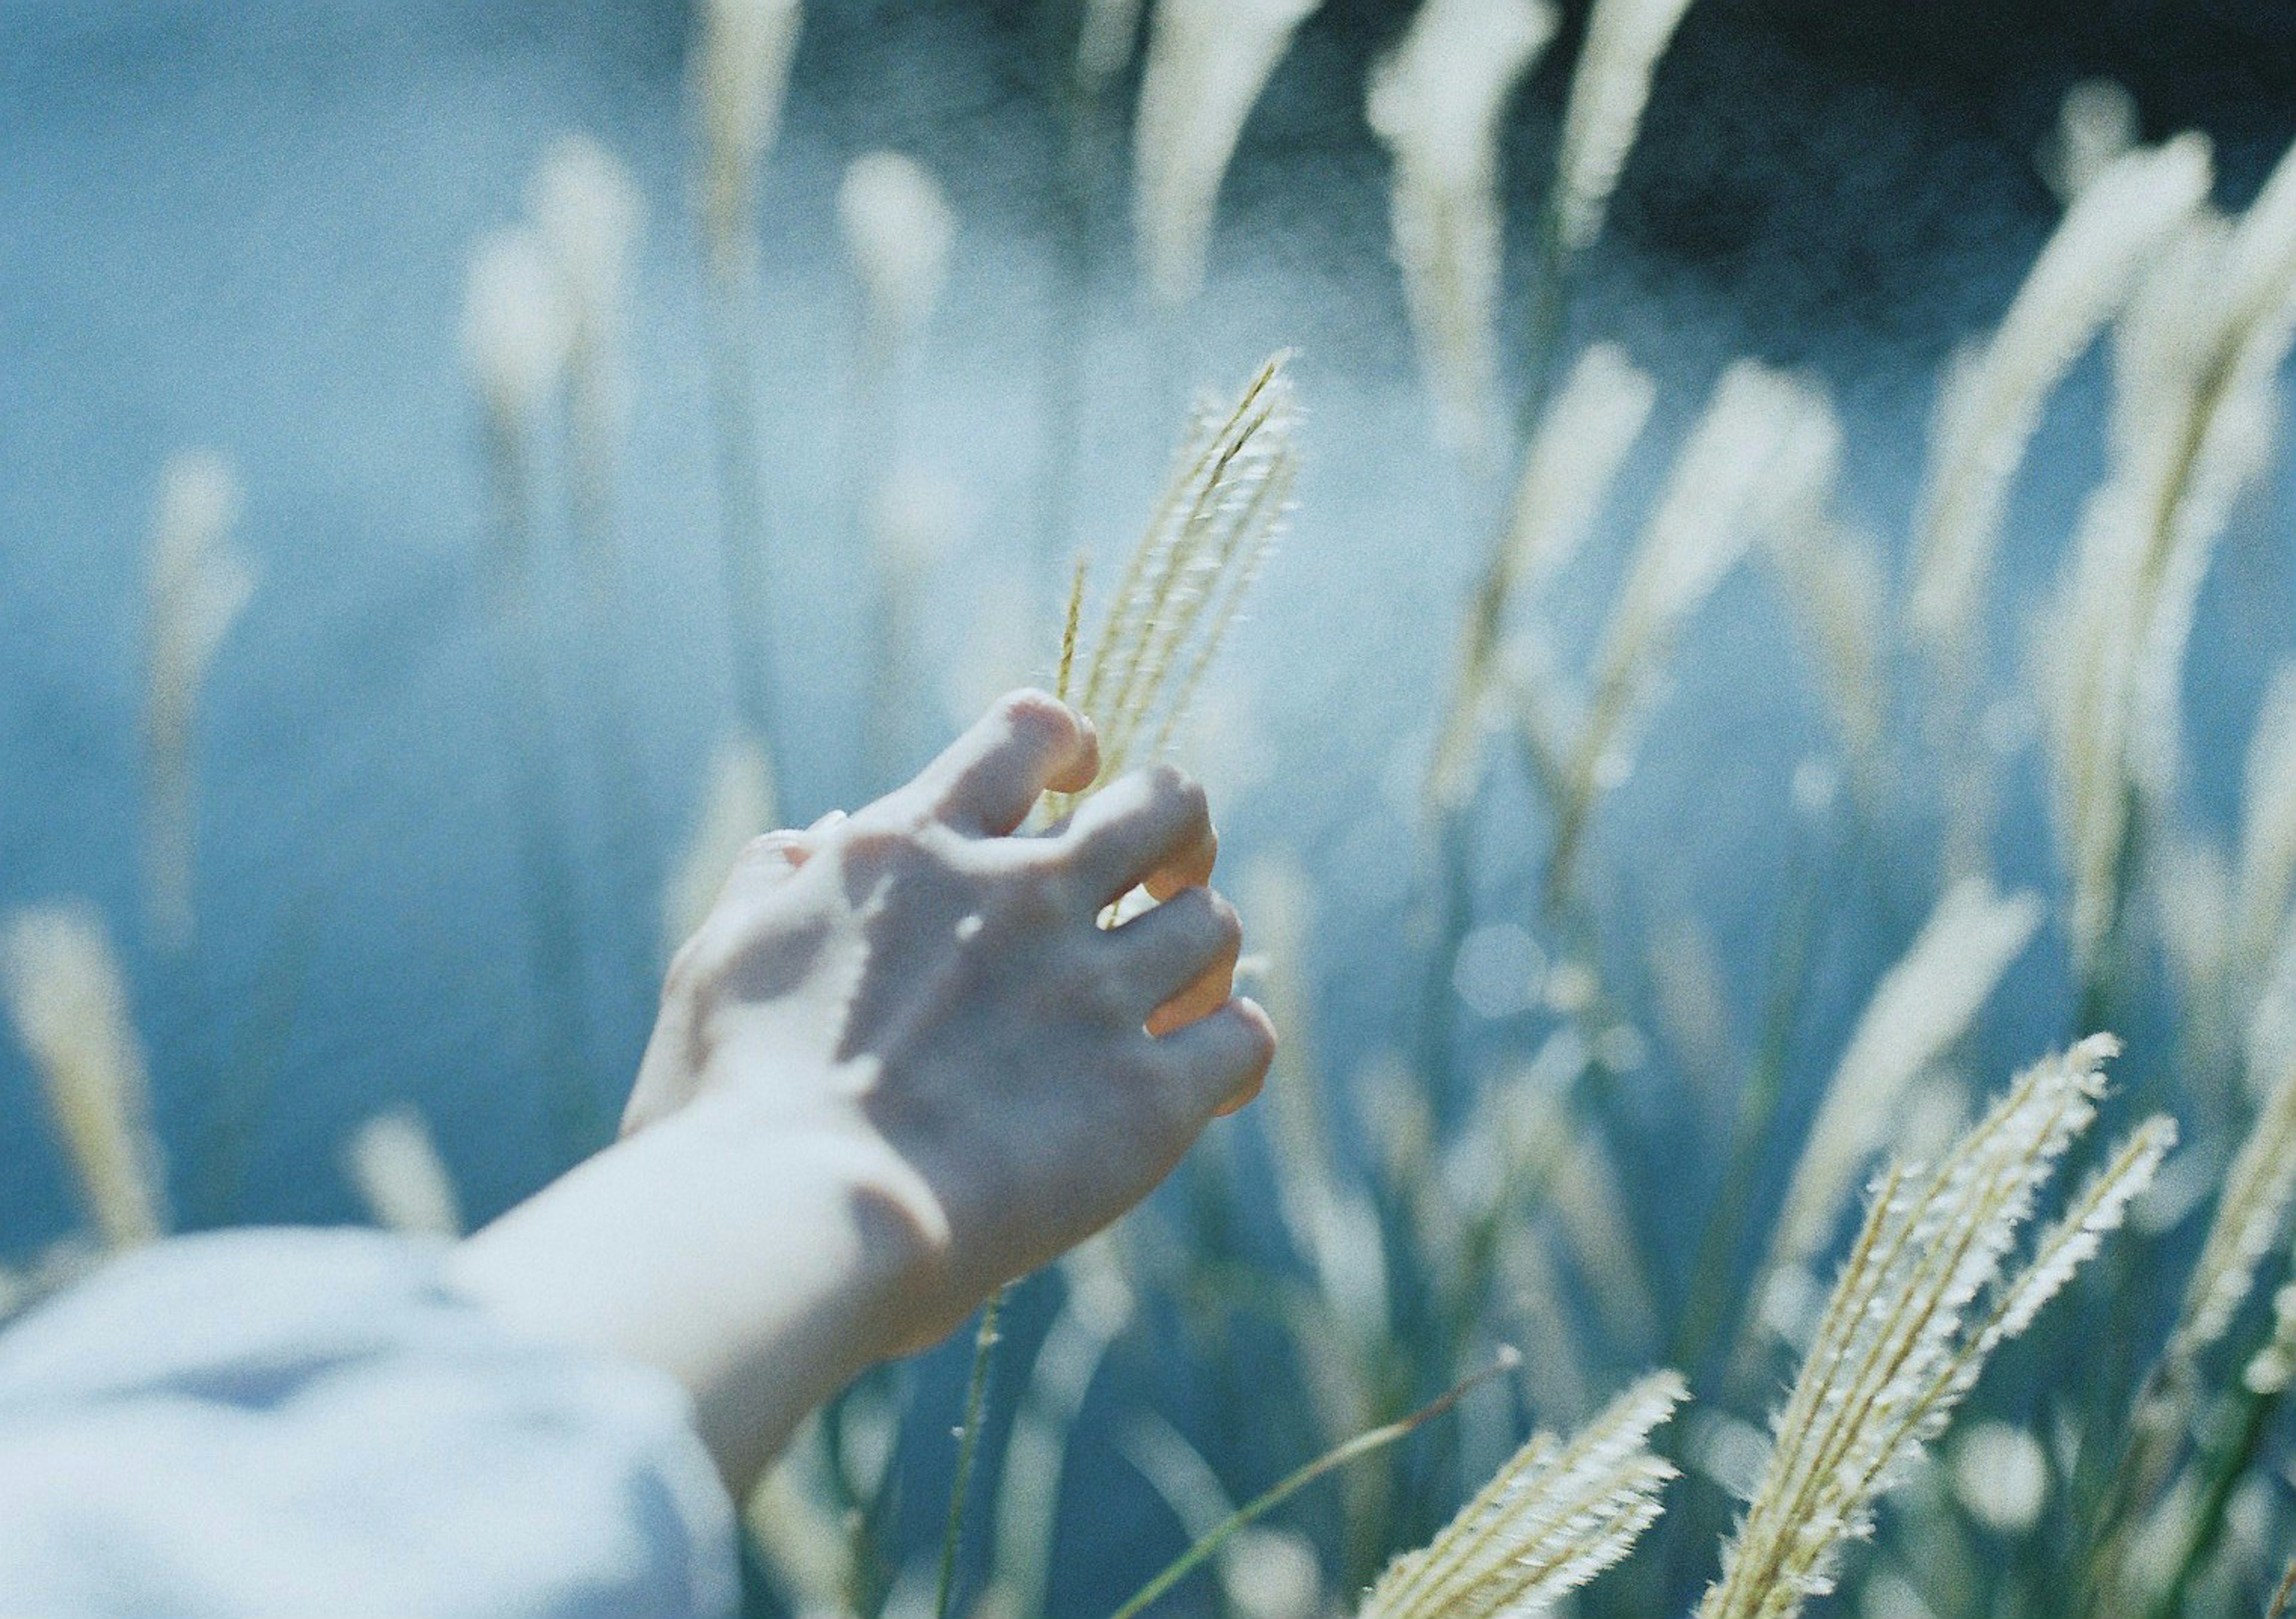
(767, 859)
(1177, 959)
(1028, 744)
(1219, 1061)
(1190, 869)
(1148, 823)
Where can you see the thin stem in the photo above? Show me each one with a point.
(741, 529)
(1300, 1478)
(968, 1445)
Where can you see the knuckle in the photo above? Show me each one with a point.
(1226, 923)
(1175, 786)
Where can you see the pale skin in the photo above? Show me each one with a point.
(898, 1065)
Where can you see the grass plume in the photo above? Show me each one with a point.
(1438, 102)
(1920, 1008)
(1555, 1515)
(1207, 61)
(68, 1001)
(1610, 89)
(1212, 531)
(394, 1163)
(1924, 1298)
(198, 584)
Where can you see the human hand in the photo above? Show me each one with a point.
(919, 990)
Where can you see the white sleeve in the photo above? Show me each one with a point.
(308, 1422)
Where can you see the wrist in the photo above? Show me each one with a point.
(760, 1267)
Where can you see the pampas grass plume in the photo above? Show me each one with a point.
(1212, 530)
(898, 227)
(588, 210)
(1438, 102)
(396, 1167)
(517, 331)
(1920, 1007)
(68, 1001)
(1924, 1298)
(198, 584)
(2082, 276)
(1207, 61)
(1557, 1514)
(2096, 126)
(740, 75)
(1568, 471)
(1609, 91)
(2267, 829)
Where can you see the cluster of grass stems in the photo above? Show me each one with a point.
(1465, 1193)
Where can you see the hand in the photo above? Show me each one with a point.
(918, 982)
(898, 1065)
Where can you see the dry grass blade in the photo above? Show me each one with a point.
(197, 585)
(1920, 1008)
(1921, 1303)
(68, 1001)
(400, 1177)
(1438, 102)
(1609, 91)
(1208, 61)
(1212, 529)
(1555, 1517)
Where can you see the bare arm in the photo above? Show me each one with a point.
(898, 1065)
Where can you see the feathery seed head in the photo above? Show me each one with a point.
(1207, 61)
(2097, 125)
(2268, 831)
(517, 328)
(198, 584)
(1609, 91)
(1919, 1009)
(395, 1165)
(1212, 530)
(1557, 1514)
(587, 208)
(741, 75)
(898, 228)
(1438, 100)
(1922, 1299)
(2117, 224)
(68, 1001)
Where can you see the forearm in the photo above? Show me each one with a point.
(762, 1272)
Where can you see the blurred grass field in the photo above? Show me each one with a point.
(1692, 786)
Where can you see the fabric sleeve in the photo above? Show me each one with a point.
(309, 1422)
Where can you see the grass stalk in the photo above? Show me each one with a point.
(968, 1446)
(1301, 1477)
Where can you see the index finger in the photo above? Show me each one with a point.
(1027, 744)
